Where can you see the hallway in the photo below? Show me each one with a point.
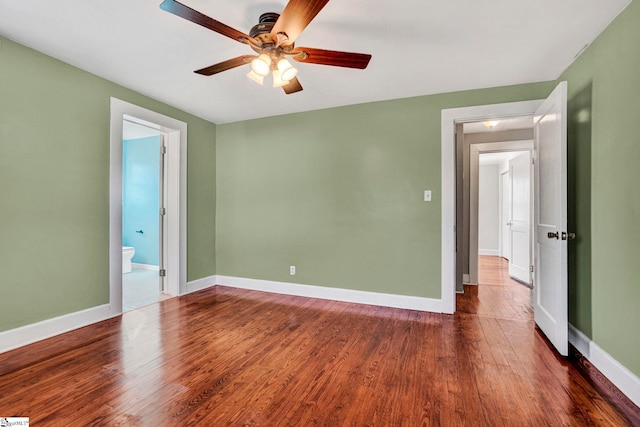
(496, 295)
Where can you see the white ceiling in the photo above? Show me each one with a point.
(503, 124)
(131, 130)
(419, 47)
(497, 158)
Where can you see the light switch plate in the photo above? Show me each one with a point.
(427, 195)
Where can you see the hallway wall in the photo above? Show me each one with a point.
(488, 210)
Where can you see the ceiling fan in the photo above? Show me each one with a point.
(273, 40)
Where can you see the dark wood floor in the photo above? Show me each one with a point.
(497, 294)
(233, 357)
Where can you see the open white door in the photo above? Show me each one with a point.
(520, 222)
(550, 280)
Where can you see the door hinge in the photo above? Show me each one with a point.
(531, 268)
(163, 149)
(163, 272)
(163, 211)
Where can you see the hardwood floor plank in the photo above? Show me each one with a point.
(227, 356)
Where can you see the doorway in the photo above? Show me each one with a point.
(495, 142)
(505, 212)
(451, 118)
(143, 215)
(174, 227)
(550, 219)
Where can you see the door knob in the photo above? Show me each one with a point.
(551, 235)
(569, 236)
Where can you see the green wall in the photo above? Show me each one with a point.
(610, 67)
(54, 186)
(579, 111)
(339, 193)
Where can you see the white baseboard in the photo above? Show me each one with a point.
(29, 334)
(626, 381)
(145, 266)
(199, 284)
(336, 294)
(489, 252)
(621, 377)
(580, 341)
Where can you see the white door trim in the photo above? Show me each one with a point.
(449, 118)
(176, 142)
(502, 232)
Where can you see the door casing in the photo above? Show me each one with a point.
(176, 223)
(504, 214)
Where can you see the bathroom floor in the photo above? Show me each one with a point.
(140, 288)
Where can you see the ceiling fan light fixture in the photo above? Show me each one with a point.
(272, 39)
(261, 65)
(255, 77)
(491, 123)
(287, 71)
(278, 81)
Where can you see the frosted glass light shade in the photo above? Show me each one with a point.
(278, 81)
(255, 77)
(287, 71)
(261, 65)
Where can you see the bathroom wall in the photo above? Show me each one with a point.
(141, 198)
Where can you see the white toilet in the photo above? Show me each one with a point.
(127, 254)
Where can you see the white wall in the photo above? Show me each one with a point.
(488, 210)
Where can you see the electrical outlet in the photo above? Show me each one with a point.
(292, 270)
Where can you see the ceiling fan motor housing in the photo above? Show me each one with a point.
(262, 31)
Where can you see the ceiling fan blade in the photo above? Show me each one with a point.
(292, 87)
(226, 65)
(192, 15)
(330, 57)
(295, 17)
